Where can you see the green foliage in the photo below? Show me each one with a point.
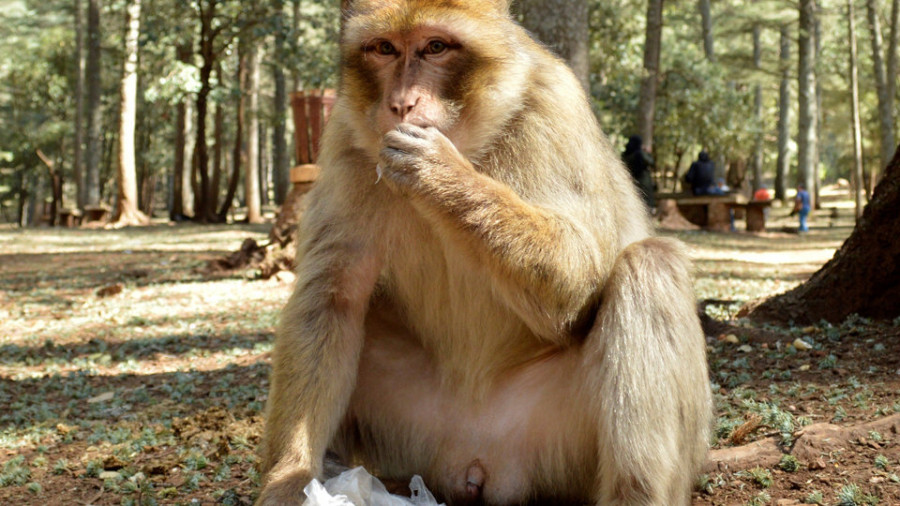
(15, 472)
(760, 476)
(789, 463)
(815, 497)
(851, 495)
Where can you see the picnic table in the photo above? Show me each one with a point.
(714, 212)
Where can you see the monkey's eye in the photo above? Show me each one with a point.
(435, 47)
(384, 48)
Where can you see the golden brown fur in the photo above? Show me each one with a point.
(492, 314)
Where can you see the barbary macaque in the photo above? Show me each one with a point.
(479, 300)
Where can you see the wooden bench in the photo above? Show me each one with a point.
(96, 214)
(70, 217)
(714, 212)
(755, 213)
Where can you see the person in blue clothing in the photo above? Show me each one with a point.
(801, 206)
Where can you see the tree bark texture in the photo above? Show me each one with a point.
(863, 277)
(652, 45)
(94, 110)
(127, 212)
(178, 211)
(854, 105)
(238, 153)
(218, 148)
(757, 163)
(893, 41)
(885, 101)
(783, 163)
(78, 144)
(563, 26)
(807, 141)
(251, 177)
(280, 160)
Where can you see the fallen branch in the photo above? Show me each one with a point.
(812, 443)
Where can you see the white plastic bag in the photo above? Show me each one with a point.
(357, 487)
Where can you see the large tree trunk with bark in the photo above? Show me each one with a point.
(854, 109)
(127, 212)
(885, 100)
(758, 153)
(783, 164)
(251, 176)
(238, 153)
(280, 161)
(807, 140)
(652, 46)
(177, 211)
(77, 155)
(562, 25)
(94, 144)
(863, 277)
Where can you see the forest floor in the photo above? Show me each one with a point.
(128, 376)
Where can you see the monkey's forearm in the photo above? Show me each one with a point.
(546, 265)
(316, 356)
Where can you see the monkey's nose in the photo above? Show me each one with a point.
(404, 105)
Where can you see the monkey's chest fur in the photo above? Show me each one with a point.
(498, 402)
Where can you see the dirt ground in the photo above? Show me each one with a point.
(127, 376)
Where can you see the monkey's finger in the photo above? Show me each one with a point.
(412, 130)
(401, 141)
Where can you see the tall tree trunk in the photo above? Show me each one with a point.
(652, 45)
(200, 160)
(783, 164)
(280, 161)
(238, 154)
(885, 102)
(807, 142)
(562, 25)
(264, 165)
(757, 163)
(127, 212)
(295, 34)
(854, 104)
(178, 211)
(251, 177)
(94, 110)
(218, 147)
(863, 277)
(707, 25)
(892, 53)
(819, 110)
(77, 155)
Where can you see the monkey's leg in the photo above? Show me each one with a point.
(646, 363)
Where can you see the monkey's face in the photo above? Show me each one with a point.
(414, 71)
(432, 64)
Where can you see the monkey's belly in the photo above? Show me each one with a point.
(525, 437)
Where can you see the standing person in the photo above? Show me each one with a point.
(801, 206)
(701, 176)
(639, 161)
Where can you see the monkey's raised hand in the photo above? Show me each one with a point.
(413, 158)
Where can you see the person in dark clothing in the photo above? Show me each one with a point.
(639, 162)
(701, 176)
